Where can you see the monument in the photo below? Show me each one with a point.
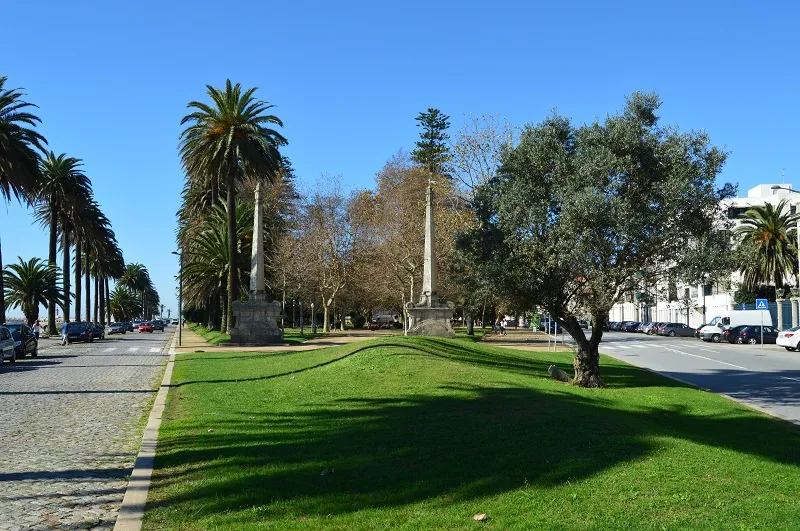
(256, 319)
(429, 317)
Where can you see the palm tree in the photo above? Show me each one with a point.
(769, 231)
(123, 303)
(19, 162)
(30, 284)
(225, 141)
(65, 189)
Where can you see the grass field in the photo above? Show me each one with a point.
(291, 336)
(424, 433)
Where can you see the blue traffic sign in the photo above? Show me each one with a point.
(744, 306)
(761, 304)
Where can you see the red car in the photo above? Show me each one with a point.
(145, 327)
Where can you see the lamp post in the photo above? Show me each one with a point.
(313, 320)
(294, 322)
(180, 296)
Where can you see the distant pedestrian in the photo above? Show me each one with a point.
(37, 329)
(503, 327)
(64, 327)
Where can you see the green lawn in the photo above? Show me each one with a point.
(290, 335)
(424, 433)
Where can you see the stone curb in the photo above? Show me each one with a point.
(131, 511)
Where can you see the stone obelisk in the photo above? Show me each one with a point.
(256, 320)
(429, 317)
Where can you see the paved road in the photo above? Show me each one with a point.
(765, 376)
(70, 427)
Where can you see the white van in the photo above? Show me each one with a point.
(713, 330)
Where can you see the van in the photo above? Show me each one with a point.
(713, 330)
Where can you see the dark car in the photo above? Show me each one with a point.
(631, 326)
(752, 335)
(158, 325)
(676, 329)
(697, 331)
(78, 332)
(98, 331)
(128, 326)
(730, 334)
(25, 341)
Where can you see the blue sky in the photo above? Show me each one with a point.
(112, 81)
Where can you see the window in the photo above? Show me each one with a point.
(726, 321)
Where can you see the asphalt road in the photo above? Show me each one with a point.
(765, 376)
(70, 428)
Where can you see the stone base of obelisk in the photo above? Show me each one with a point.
(256, 321)
(430, 320)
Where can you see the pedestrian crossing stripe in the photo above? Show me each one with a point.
(155, 350)
(624, 346)
(110, 349)
(133, 349)
(608, 347)
(637, 345)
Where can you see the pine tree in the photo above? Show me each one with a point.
(431, 149)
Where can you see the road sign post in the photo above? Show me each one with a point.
(762, 304)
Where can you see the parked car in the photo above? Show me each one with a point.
(136, 323)
(175, 322)
(25, 341)
(752, 335)
(116, 328)
(145, 326)
(78, 331)
(730, 334)
(157, 325)
(98, 331)
(697, 331)
(631, 326)
(676, 329)
(128, 326)
(789, 339)
(583, 324)
(649, 328)
(7, 347)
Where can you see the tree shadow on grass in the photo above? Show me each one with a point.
(476, 441)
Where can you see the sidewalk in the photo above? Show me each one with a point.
(525, 339)
(191, 341)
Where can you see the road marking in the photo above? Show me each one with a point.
(109, 349)
(623, 346)
(708, 350)
(637, 345)
(155, 350)
(133, 349)
(608, 347)
(789, 378)
(709, 359)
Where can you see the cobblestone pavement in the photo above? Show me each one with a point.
(70, 427)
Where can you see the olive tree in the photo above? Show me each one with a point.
(578, 215)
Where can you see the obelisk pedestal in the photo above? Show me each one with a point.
(256, 319)
(429, 317)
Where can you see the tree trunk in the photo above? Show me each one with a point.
(222, 309)
(51, 308)
(233, 281)
(587, 366)
(65, 244)
(87, 281)
(102, 292)
(78, 271)
(2, 289)
(96, 298)
(108, 301)
(325, 320)
(470, 325)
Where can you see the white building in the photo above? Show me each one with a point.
(717, 297)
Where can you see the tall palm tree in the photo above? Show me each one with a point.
(769, 231)
(19, 161)
(30, 284)
(65, 189)
(225, 141)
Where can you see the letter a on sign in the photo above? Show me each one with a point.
(761, 304)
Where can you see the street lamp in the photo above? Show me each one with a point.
(797, 228)
(180, 296)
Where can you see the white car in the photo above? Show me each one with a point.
(789, 339)
(7, 345)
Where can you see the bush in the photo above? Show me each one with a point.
(357, 320)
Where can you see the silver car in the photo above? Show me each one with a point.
(7, 347)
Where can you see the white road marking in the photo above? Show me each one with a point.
(109, 349)
(155, 350)
(624, 346)
(133, 349)
(790, 378)
(607, 347)
(708, 350)
(709, 359)
(637, 345)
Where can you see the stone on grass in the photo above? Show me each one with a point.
(558, 374)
